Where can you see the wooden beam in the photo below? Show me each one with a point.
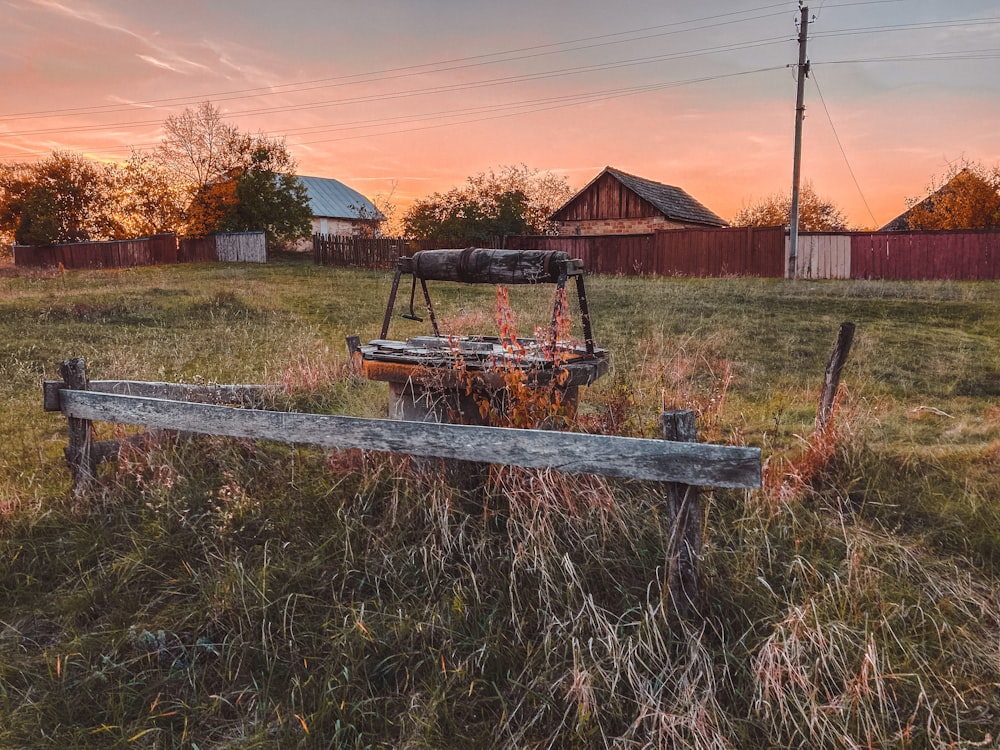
(241, 395)
(634, 458)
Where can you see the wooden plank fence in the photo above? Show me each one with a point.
(747, 251)
(678, 461)
(224, 247)
(145, 251)
(971, 255)
(160, 249)
(359, 252)
(763, 252)
(378, 252)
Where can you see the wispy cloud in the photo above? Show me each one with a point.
(159, 63)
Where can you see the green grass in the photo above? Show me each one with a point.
(228, 593)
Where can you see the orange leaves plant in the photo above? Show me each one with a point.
(525, 397)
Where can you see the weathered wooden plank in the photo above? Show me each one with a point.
(240, 395)
(831, 381)
(79, 454)
(635, 458)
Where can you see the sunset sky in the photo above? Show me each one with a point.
(412, 97)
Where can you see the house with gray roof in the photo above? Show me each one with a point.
(338, 209)
(616, 202)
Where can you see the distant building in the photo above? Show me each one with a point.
(338, 209)
(616, 202)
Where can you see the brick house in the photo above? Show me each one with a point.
(616, 202)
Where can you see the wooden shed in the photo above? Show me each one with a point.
(616, 202)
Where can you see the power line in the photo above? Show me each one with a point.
(988, 53)
(640, 90)
(842, 151)
(526, 107)
(887, 28)
(421, 68)
(440, 89)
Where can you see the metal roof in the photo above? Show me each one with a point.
(332, 199)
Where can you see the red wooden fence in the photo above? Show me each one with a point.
(926, 255)
(376, 252)
(160, 248)
(676, 252)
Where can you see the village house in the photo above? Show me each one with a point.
(338, 209)
(616, 202)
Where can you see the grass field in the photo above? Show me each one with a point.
(227, 593)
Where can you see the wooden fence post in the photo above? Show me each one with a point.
(684, 514)
(831, 382)
(80, 453)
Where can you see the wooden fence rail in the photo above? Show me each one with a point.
(677, 460)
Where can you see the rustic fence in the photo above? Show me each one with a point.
(224, 247)
(147, 251)
(764, 252)
(160, 249)
(677, 461)
(747, 251)
(359, 252)
(378, 252)
(925, 255)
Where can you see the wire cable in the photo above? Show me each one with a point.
(420, 68)
(840, 145)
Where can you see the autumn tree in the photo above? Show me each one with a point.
(515, 200)
(146, 200)
(968, 197)
(231, 178)
(62, 198)
(816, 214)
(265, 200)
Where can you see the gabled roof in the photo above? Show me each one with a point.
(673, 202)
(332, 199)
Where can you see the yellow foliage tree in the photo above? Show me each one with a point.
(969, 198)
(816, 214)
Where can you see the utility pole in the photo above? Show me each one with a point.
(800, 109)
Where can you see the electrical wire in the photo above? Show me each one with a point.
(840, 145)
(440, 89)
(420, 68)
(525, 107)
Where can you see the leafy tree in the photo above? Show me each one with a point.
(968, 198)
(62, 198)
(515, 200)
(39, 222)
(146, 200)
(234, 181)
(816, 214)
(275, 203)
